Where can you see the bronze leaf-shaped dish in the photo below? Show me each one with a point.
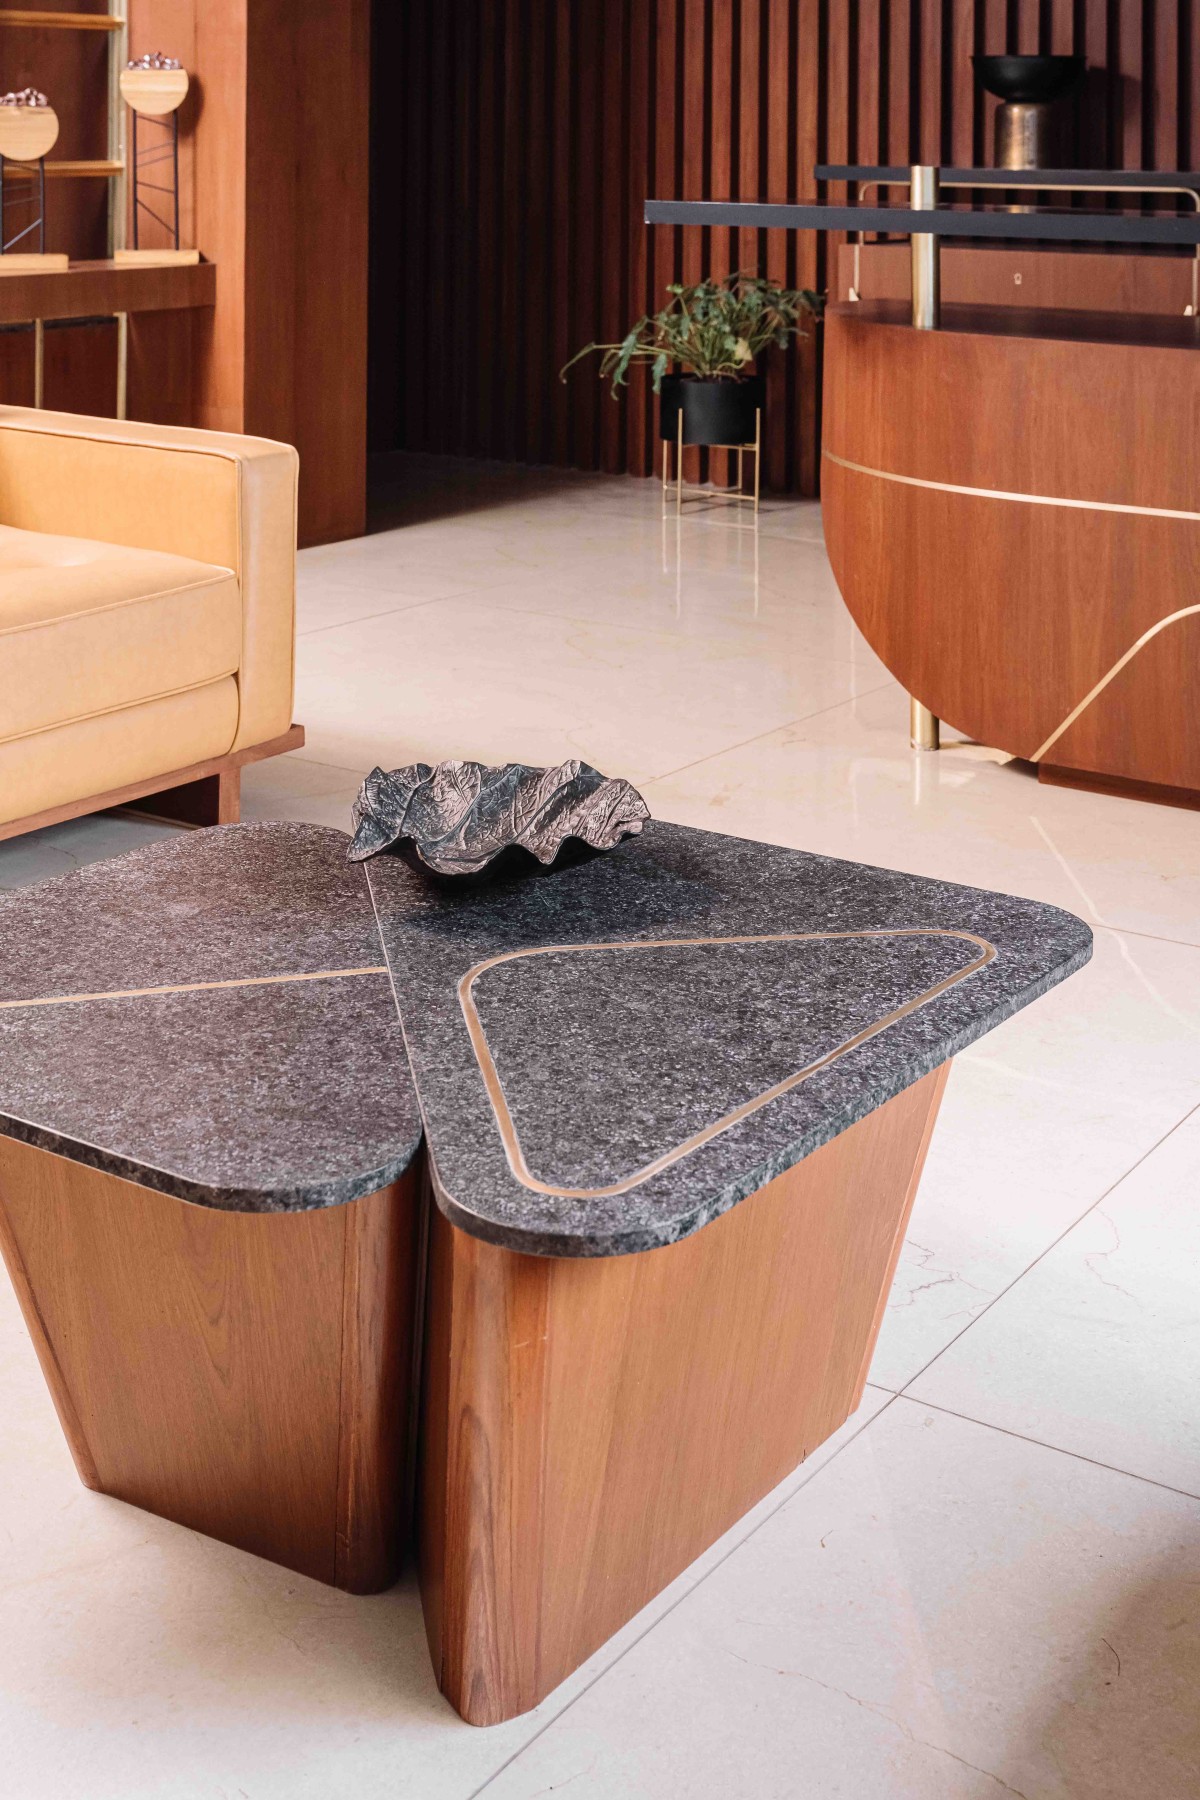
(457, 818)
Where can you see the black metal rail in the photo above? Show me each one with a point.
(942, 221)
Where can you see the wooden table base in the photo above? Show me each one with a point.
(245, 1374)
(590, 1427)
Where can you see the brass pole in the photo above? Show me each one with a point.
(122, 365)
(39, 364)
(926, 272)
(924, 730)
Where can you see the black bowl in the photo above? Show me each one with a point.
(1028, 78)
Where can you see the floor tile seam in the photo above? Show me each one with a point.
(1193, 1112)
(309, 762)
(386, 612)
(773, 731)
(480, 597)
(1026, 1437)
(692, 1588)
(1152, 937)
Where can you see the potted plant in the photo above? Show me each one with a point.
(703, 349)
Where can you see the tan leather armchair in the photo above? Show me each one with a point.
(147, 612)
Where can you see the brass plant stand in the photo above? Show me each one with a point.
(733, 496)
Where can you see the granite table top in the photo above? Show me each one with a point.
(603, 1057)
(610, 1055)
(209, 1016)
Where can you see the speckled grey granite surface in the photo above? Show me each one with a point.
(272, 1097)
(607, 1059)
(617, 1060)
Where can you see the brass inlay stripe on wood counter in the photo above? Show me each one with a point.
(1171, 618)
(984, 493)
(495, 1090)
(194, 987)
(1109, 506)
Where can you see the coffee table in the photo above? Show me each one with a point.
(605, 1171)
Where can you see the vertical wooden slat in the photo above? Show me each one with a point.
(638, 186)
(899, 147)
(613, 176)
(961, 124)
(694, 14)
(778, 50)
(562, 224)
(1165, 106)
(932, 33)
(1132, 87)
(810, 266)
(667, 243)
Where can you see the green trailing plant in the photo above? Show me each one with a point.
(712, 329)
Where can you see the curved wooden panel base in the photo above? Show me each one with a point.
(1012, 509)
(245, 1374)
(590, 1427)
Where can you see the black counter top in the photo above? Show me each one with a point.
(611, 1055)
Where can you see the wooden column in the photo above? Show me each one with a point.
(245, 1374)
(590, 1427)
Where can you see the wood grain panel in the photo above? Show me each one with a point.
(590, 1427)
(242, 1374)
(549, 121)
(1023, 276)
(1001, 614)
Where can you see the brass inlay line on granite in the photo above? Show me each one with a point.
(194, 987)
(495, 1090)
(1110, 506)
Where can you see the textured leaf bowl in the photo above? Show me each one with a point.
(459, 817)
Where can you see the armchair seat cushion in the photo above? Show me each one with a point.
(88, 627)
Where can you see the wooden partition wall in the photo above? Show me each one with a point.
(515, 140)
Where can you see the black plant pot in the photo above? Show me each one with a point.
(714, 412)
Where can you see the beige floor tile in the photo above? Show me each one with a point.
(466, 678)
(944, 1613)
(1097, 1349)
(140, 1661)
(845, 783)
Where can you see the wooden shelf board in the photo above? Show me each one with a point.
(86, 289)
(58, 21)
(14, 171)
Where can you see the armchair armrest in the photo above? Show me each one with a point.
(209, 495)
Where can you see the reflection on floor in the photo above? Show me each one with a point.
(989, 1584)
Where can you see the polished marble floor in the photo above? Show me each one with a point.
(989, 1583)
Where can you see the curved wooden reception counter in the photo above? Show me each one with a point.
(1012, 509)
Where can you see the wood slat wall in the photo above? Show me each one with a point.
(507, 210)
(515, 140)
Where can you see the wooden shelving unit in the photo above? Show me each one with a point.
(112, 167)
(42, 301)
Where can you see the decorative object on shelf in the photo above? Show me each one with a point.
(154, 87)
(28, 129)
(703, 349)
(1027, 87)
(459, 817)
